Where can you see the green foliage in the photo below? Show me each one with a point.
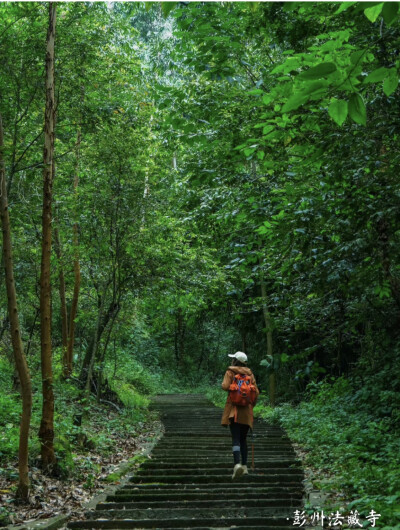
(357, 109)
(338, 110)
(351, 431)
(142, 380)
(73, 441)
(215, 394)
(10, 411)
(223, 146)
(130, 398)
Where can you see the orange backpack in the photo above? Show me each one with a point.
(242, 391)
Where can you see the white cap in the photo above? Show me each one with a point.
(239, 355)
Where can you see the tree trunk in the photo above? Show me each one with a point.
(19, 357)
(268, 327)
(77, 269)
(102, 322)
(94, 349)
(384, 247)
(63, 303)
(103, 354)
(46, 431)
(180, 336)
(5, 324)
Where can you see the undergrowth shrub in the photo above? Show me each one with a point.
(79, 425)
(353, 448)
(129, 396)
(145, 381)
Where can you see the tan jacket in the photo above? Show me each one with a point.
(244, 414)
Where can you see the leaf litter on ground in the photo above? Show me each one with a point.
(52, 497)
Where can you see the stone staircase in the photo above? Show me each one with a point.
(187, 482)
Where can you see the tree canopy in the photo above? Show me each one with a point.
(224, 178)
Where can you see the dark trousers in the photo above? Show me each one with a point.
(239, 443)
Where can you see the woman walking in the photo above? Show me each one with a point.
(239, 418)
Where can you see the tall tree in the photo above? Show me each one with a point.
(77, 268)
(19, 357)
(46, 431)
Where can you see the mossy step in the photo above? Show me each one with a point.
(206, 504)
(183, 472)
(273, 523)
(188, 424)
(129, 495)
(220, 461)
(225, 440)
(178, 464)
(199, 448)
(141, 525)
(198, 514)
(219, 430)
(159, 449)
(219, 457)
(249, 479)
(209, 487)
(217, 451)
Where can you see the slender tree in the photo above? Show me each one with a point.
(46, 431)
(268, 330)
(19, 356)
(77, 270)
(63, 302)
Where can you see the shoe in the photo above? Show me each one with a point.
(238, 471)
(245, 470)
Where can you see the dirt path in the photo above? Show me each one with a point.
(187, 483)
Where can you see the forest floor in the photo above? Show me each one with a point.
(89, 470)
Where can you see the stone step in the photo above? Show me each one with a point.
(195, 471)
(223, 456)
(187, 453)
(223, 441)
(212, 463)
(172, 428)
(187, 481)
(213, 426)
(207, 504)
(221, 479)
(216, 513)
(199, 447)
(249, 523)
(209, 487)
(130, 495)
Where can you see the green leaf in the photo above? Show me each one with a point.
(268, 128)
(372, 13)
(300, 97)
(249, 151)
(316, 72)
(355, 57)
(267, 99)
(357, 110)
(294, 102)
(391, 82)
(313, 87)
(149, 5)
(377, 75)
(255, 91)
(167, 7)
(338, 110)
(343, 7)
(390, 11)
